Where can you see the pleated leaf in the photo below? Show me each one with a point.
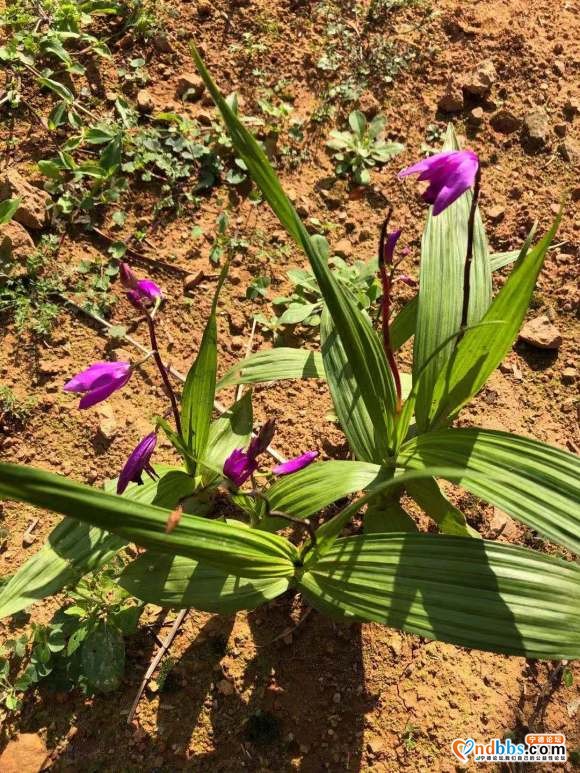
(274, 365)
(235, 549)
(472, 593)
(366, 441)
(72, 550)
(362, 345)
(443, 252)
(431, 499)
(317, 486)
(403, 325)
(533, 482)
(179, 582)
(481, 350)
(200, 385)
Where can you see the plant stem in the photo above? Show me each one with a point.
(469, 253)
(386, 281)
(163, 372)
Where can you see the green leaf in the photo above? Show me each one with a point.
(403, 325)
(362, 345)
(178, 582)
(58, 89)
(200, 384)
(471, 593)
(481, 350)
(235, 549)
(8, 209)
(297, 312)
(431, 499)
(232, 430)
(443, 254)
(386, 514)
(73, 549)
(532, 481)
(315, 487)
(274, 365)
(367, 441)
(357, 122)
(500, 259)
(167, 490)
(103, 658)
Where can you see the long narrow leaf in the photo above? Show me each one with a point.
(443, 254)
(533, 482)
(179, 582)
(481, 350)
(366, 441)
(200, 385)
(274, 365)
(472, 593)
(235, 549)
(72, 550)
(317, 486)
(360, 341)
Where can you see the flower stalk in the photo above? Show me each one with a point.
(386, 251)
(469, 251)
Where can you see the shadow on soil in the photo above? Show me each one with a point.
(299, 705)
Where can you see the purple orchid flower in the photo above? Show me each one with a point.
(241, 465)
(298, 463)
(139, 290)
(390, 244)
(99, 381)
(450, 174)
(138, 462)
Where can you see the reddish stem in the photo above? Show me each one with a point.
(163, 371)
(386, 281)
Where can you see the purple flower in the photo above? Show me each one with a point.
(138, 462)
(298, 463)
(241, 465)
(99, 381)
(127, 276)
(146, 290)
(449, 174)
(390, 245)
(139, 289)
(408, 280)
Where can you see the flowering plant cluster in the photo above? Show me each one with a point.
(449, 583)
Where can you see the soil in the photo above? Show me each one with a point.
(280, 688)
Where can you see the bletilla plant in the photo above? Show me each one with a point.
(450, 585)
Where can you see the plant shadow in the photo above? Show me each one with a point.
(297, 703)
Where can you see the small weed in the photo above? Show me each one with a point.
(304, 306)
(82, 646)
(410, 735)
(357, 151)
(12, 409)
(29, 298)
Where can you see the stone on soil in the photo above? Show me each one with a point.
(33, 201)
(536, 129)
(25, 754)
(107, 421)
(16, 246)
(480, 80)
(189, 85)
(541, 333)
